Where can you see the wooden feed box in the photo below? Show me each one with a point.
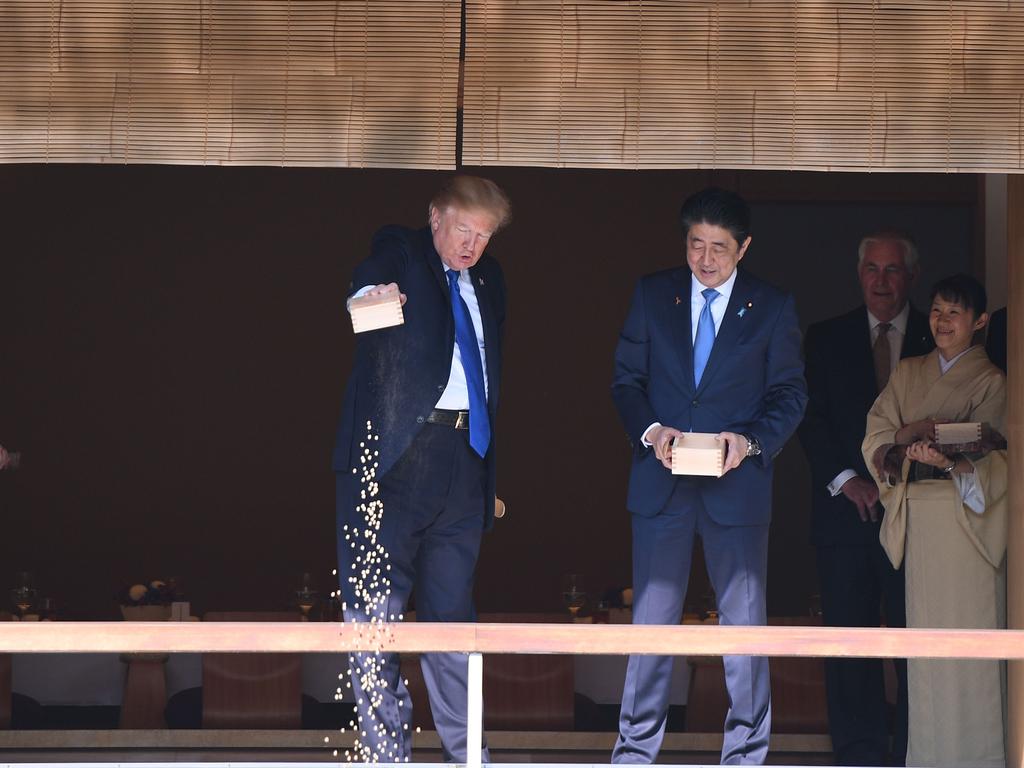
(698, 453)
(372, 312)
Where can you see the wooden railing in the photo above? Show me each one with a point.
(599, 639)
(479, 639)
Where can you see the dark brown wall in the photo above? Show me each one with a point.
(173, 347)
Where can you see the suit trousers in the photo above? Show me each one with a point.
(431, 526)
(737, 558)
(856, 581)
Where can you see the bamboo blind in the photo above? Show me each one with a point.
(245, 82)
(914, 85)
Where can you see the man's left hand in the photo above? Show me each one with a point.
(736, 450)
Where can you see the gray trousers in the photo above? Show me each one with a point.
(736, 559)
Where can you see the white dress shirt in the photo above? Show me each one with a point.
(697, 302)
(897, 331)
(455, 396)
(718, 306)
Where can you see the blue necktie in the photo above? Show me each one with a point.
(705, 338)
(469, 351)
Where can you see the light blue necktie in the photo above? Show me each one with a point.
(469, 351)
(705, 338)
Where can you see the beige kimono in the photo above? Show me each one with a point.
(955, 557)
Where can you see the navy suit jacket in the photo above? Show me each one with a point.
(400, 372)
(753, 383)
(841, 382)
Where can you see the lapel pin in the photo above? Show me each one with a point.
(678, 301)
(481, 280)
(743, 310)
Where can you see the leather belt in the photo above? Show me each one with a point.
(456, 419)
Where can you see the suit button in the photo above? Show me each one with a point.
(695, 403)
(440, 387)
(419, 419)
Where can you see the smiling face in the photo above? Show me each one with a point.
(884, 278)
(713, 253)
(460, 236)
(953, 326)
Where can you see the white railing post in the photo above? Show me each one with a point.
(474, 710)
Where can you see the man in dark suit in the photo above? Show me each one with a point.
(705, 348)
(995, 341)
(414, 456)
(849, 359)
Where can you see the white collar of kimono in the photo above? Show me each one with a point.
(945, 365)
(899, 322)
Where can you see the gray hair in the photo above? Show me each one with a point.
(473, 193)
(910, 255)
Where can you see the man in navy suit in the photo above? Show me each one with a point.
(414, 455)
(995, 340)
(705, 348)
(849, 359)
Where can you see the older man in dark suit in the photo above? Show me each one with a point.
(414, 456)
(849, 359)
(706, 347)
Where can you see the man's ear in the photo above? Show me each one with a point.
(981, 322)
(743, 247)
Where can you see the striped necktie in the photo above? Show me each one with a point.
(705, 338)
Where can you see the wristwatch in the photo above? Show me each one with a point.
(950, 468)
(753, 447)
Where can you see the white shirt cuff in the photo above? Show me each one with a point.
(836, 486)
(361, 292)
(643, 437)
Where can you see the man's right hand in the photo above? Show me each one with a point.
(660, 439)
(381, 290)
(864, 495)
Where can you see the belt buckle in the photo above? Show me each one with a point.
(462, 420)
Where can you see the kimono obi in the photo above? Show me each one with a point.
(919, 471)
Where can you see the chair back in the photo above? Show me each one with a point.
(252, 690)
(521, 692)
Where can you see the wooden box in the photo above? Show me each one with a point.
(698, 453)
(372, 312)
(962, 437)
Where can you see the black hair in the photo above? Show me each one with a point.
(961, 289)
(718, 207)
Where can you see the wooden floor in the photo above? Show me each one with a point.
(317, 746)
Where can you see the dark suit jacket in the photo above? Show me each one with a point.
(753, 384)
(995, 340)
(841, 384)
(399, 373)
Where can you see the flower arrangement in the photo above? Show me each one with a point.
(148, 602)
(157, 592)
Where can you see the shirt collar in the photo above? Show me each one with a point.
(899, 322)
(725, 289)
(945, 365)
(462, 273)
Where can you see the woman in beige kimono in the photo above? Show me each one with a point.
(946, 518)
